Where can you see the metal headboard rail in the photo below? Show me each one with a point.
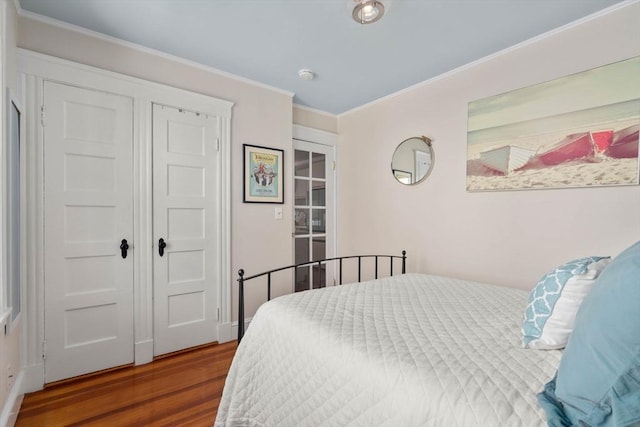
(319, 263)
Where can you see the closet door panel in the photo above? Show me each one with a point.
(88, 143)
(185, 206)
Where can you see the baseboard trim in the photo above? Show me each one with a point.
(143, 352)
(33, 378)
(229, 331)
(14, 401)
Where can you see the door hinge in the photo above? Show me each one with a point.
(218, 314)
(217, 144)
(42, 116)
(334, 165)
(44, 350)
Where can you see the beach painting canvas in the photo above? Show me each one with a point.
(576, 131)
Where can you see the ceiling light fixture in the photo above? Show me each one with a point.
(367, 11)
(306, 74)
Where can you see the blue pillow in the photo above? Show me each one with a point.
(554, 302)
(598, 380)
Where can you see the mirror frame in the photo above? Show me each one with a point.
(427, 141)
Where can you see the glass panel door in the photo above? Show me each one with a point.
(313, 213)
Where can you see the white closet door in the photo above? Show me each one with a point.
(185, 204)
(88, 142)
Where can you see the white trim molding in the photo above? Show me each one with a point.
(11, 407)
(143, 352)
(100, 36)
(230, 331)
(314, 110)
(316, 136)
(495, 55)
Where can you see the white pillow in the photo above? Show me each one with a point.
(555, 300)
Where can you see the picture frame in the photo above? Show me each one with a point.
(576, 131)
(262, 174)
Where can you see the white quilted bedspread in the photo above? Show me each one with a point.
(410, 350)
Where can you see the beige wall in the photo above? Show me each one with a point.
(261, 116)
(9, 344)
(310, 118)
(509, 238)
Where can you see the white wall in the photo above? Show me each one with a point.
(509, 238)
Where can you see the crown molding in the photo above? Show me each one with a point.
(134, 46)
(314, 110)
(498, 54)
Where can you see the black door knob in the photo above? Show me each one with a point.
(161, 245)
(124, 246)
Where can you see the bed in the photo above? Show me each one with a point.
(406, 350)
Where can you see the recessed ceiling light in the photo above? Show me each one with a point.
(306, 74)
(367, 11)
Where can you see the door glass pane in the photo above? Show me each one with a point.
(302, 163)
(301, 220)
(319, 220)
(302, 250)
(318, 193)
(302, 278)
(319, 245)
(302, 192)
(319, 276)
(318, 165)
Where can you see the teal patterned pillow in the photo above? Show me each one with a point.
(554, 302)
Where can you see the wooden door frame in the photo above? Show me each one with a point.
(34, 68)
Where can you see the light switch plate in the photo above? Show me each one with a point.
(278, 213)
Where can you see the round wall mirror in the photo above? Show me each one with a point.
(413, 160)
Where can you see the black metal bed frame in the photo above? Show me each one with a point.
(319, 263)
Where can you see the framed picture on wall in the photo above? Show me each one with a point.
(263, 174)
(579, 130)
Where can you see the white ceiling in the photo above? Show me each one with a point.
(268, 41)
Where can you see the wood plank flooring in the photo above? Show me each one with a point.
(179, 390)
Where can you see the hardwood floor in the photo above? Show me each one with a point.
(179, 390)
